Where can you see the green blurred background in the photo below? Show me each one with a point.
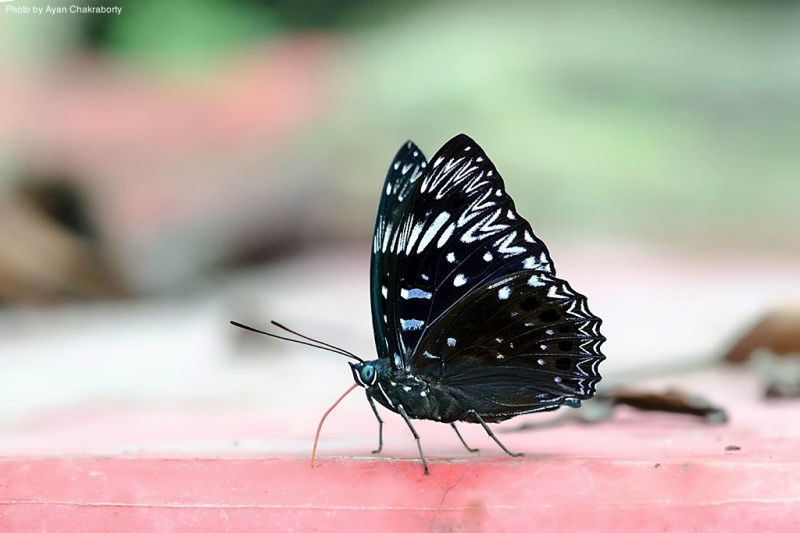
(203, 135)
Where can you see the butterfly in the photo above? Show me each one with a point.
(471, 323)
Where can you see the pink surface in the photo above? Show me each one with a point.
(638, 472)
(722, 493)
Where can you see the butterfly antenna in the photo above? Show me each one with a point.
(314, 343)
(322, 421)
(331, 346)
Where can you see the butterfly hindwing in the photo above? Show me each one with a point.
(521, 343)
(456, 231)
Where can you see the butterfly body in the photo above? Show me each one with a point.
(420, 399)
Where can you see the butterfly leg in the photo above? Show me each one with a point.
(473, 450)
(491, 434)
(402, 411)
(380, 424)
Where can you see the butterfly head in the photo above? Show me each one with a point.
(369, 373)
(365, 374)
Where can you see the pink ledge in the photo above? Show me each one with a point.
(638, 472)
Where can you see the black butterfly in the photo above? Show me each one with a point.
(471, 324)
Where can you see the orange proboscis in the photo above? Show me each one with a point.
(322, 421)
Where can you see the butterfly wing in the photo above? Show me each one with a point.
(524, 342)
(455, 231)
(401, 183)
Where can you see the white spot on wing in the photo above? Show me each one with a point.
(485, 227)
(446, 234)
(460, 280)
(386, 237)
(415, 293)
(530, 262)
(384, 291)
(411, 324)
(487, 256)
(432, 230)
(535, 281)
(552, 292)
(451, 341)
(451, 257)
(414, 236)
(505, 248)
(504, 293)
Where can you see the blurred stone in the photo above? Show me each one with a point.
(49, 250)
(671, 401)
(602, 407)
(777, 332)
(780, 373)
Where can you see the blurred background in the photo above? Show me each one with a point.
(179, 165)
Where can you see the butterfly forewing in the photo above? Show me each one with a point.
(459, 230)
(521, 343)
(402, 181)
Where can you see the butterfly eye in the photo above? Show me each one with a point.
(368, 374)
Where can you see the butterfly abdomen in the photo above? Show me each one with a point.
(421, 400)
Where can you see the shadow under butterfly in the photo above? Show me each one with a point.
(471, 323)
